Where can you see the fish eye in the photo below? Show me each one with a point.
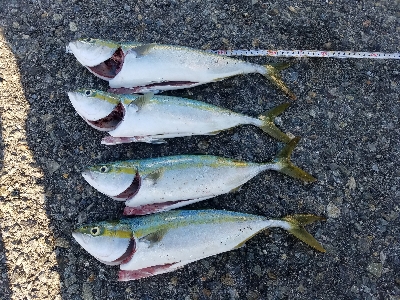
(88, 92)
(95, 231)
(104, 169)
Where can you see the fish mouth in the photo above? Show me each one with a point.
(87, 175)
(120, 188)
(131, 191)
(124, 258)
(109, 68)
(111, 121)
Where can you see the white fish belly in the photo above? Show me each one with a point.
(191, 243)
(161, 119)
(192, 183)
(178, 64)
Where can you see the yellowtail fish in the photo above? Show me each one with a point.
(140, 68)
(149, 118)
(156, 244)
(160, 184)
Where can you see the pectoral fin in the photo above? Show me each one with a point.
(155, 175)
(155, 237)
(142, 50)
(142, 100)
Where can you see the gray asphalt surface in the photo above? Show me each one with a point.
(347, 114)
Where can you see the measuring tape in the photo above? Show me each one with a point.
(307, 53)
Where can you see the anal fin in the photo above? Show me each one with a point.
(111, 140)
(241, 245)
(158, 207)
(236, 189)
(214, 132)
(127, 275)
(148, 208)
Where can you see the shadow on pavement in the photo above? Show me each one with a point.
(25, 231)
(5, 291)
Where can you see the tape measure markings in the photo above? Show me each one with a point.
(307, 53)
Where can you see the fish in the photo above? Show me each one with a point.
(133, 67)
(152, 118)
(164, 183)
(156, 244)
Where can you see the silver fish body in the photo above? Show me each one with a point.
(152, 118)
(158, 184)
(162, 243)
(141, 68)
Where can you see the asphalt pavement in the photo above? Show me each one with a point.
(347, 114)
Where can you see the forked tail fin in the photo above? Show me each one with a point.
(282, 163)
(273, 75)
(268, 125)
(294, 225)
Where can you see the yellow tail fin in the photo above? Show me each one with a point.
(296, 223)
(285, 166)
(269, 126)
(273, 75)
